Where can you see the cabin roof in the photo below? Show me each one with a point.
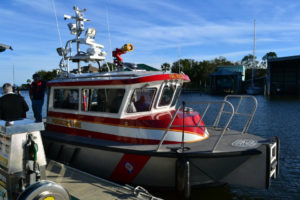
(287, 58)
(116, 78)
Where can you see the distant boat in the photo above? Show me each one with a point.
(252, 89)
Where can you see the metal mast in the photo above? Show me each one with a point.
(13, 75)
(254, 48)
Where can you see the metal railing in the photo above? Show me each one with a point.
(250, 115)
(232, 112)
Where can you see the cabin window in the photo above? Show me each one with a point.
(102, 100)
(141, 100)
(167, 94)
(177, 93)
(66, 99)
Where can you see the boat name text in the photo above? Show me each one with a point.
(68, 123)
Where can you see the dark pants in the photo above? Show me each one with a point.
(37, 109)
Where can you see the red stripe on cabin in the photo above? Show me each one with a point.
(129, 167)
(155, 121)
(103, 136)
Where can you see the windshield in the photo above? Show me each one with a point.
(141, 100)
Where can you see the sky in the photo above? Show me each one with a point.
(160, 30)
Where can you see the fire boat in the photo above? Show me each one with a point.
(125, 124)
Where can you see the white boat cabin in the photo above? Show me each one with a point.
(116, 94)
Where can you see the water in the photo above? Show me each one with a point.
(274, 117)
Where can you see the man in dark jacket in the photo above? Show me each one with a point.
(12, 106)
(36, 93)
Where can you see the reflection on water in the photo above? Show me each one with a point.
(274, 117)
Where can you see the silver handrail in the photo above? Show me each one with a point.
(166, 131)
(219, 116)
(232, 112)
(209, 103)
(251, 115)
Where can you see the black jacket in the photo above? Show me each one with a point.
(12, 107)
(37, 90)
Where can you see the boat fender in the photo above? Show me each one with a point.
(46, 190)
(32, 169)
(183, 185)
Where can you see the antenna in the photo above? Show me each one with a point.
(108, 30)
(254, 49)
(57, 27)
(13, 75)
(54, 10)
(179, 56)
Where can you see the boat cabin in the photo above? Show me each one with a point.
(116, 94)
(130, 107)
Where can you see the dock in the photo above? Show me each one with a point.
(82, 185)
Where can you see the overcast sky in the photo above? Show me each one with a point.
(160, 30)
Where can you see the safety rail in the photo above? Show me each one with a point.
(233, 111)
(250, 115)
(209, 103)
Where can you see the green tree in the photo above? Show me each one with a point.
(199, 72)
(46, 75)
(182, 65)
(267, 56)
(165, 67)
(247, 61)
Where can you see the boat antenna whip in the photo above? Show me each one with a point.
(58, 31)
(118, 52)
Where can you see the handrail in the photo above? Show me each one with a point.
(166, 131)
(232, 112)
(251, 115)
(227, 124)
(219, 116)
(201, 119)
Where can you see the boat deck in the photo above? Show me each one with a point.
(82, 185)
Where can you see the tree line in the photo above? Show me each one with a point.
(198, 71)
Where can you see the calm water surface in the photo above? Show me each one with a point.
(274, 117)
